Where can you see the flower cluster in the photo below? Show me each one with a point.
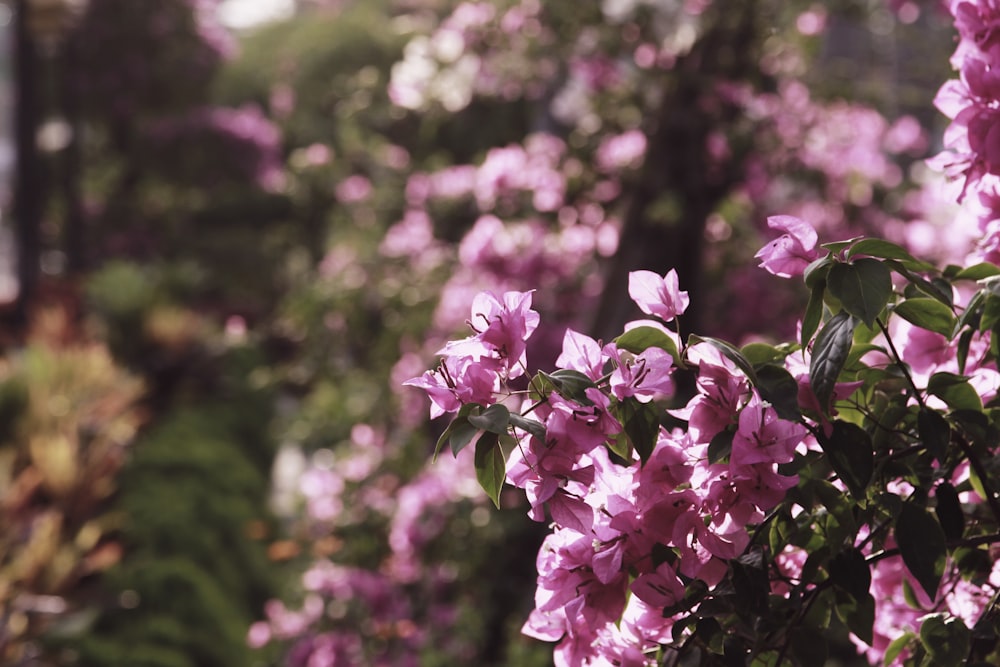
(665, 514)
(620, 488)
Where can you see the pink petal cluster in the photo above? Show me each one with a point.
(789, 254)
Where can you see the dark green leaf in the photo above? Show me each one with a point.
(954, 390)
(829, 355)
(922, 545)
(932, 290)
(721, 446)
(934, 431)
(814, 313)
(570, 384)
(928, 314)
(817, 271)
(777, 386)
(642, 338)
(962, 351)
(491, 469)
(729, 351)
(859, 617)
(494, 419)
(694, 593)
(532, 426)
(810, 646)
(851, 454)
(991, 312)
(863, 288)
(949, 511)
(946, 639)
(641, 424)
(459, 432)
(850, 571)
(749, 575)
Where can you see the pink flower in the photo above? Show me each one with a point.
(763, 437)
(657, 296)
(645, 376)
(789, 254)
(581, 353)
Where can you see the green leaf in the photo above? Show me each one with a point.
(896, 647)
(817, 271)
(954, 390)
(829, 355)
(934, 431)
(641, 424)
(814, 313)
(922, 544)
(936, 291)
(491, 470)
(809, 645)
(494, 419)
(851, 454)
(749, 576)
(946, 638)
(858, 615)
(928, 314)
(570, 384)
(949, 511)
(863, 288)
(885, 250)
(762, 353)
(729, 351)
(836, 246)
(459, 432)
(532, 426)
(777, 386)
(850, 571)
(640, 339)
(721, 446)
(978, 271)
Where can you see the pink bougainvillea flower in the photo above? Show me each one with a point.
(581, 353)
(645, 376)
(657, 295)
(764, 438)
(789, 254)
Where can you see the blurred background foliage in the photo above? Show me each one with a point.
(220, 312)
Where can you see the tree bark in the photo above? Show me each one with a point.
(681, 183)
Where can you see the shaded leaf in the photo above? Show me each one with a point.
(934, 431)
(532, 426)
(830, 352)
(570, 384)
(494, 419)
(729, 351)
(814, 313)
(459, 432)
(946, 639)
(641, 424)
(850, 571)
(721, 446)
(777, 386)
(922, 544)
(949, 511)
(851, 454)
(491, 469)
(863, 288)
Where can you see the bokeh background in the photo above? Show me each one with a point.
(229, 231)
